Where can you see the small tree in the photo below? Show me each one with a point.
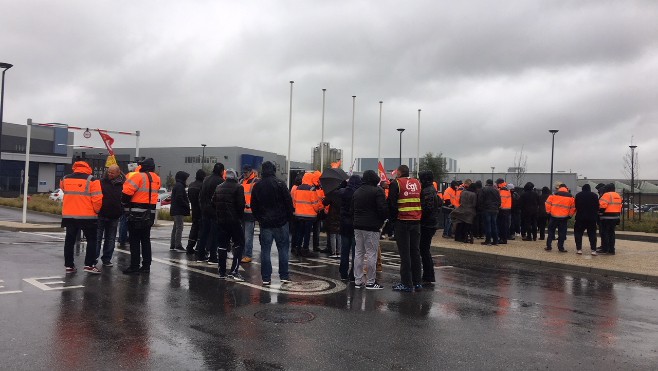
(170, 182)
(520, 162)
(631, 167)
(437, 164)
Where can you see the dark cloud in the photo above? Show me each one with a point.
(490, 78)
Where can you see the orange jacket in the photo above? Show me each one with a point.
(505, 197)
(83, 196)
(248, 184)
(137, 187)
(305, 199)
(610, 203)
(561, 204)
(451, 195)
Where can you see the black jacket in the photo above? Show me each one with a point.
(587, 205)
(112, 190)
(271, 203)
(346, 194)
(369, 208)
(490, 199)
(205, 196)
(529, 202)
(429, 201)
(193, 191)
(332, 220)
(228, 201)
(180, 204)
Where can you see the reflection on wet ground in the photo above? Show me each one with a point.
(183, 316)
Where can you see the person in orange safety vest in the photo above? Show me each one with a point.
(307, 204)
(83, 198)
(249, 178)
(140, 196)
(610, 207)
(505, 213)
(560, 207)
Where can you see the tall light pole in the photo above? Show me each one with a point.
(203, 155)
(632, 147)
(4, 67)
(324, 93)
(553, 131)
(492, 172)
(352, 151)
(401, 130)
(289, 134)
(418, 147)
(379, 144)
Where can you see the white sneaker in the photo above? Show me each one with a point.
(594, 253)
(579, 252)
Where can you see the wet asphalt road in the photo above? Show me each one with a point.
(182, 317)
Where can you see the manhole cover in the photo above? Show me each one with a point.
(285, 315)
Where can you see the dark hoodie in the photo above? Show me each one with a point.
(193, 191)
(541, 208)
(587, 205)
(271, 203)
(346, 194)
(369, 204)
(180, 204)
(112, 189)
(208, 190)
(529, 201)
(430, 202)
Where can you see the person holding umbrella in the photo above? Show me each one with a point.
(331, 181)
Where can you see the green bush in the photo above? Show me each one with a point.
(648, 224)
(37, 202)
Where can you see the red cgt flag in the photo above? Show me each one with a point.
(108, 140)
(382, 172)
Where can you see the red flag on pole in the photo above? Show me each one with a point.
(382, 172)
(108, 140)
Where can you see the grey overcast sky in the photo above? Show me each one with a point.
(491, 77)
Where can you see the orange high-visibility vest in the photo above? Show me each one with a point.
(561, 204)
(409, 207)
(305, 199)
(248, 184)
(505, 197)
(611, 202)
(451, 195)
(137, 186)
(83, 195)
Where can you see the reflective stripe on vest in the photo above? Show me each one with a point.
(248, 184)
(409, 207)
(78, 204)
(505, 199)
(612, 203)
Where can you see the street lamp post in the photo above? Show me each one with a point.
(352, 150)
(379, 145)
(632, 147)
(492, 172)
(418, 148)
(4, 67)
(324, 93)
(289, 134)
(203, 155)
(553, 131)
(400, 130)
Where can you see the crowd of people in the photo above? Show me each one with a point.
(356, 214)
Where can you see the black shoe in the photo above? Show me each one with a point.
(191, 251)
(548, 248)
(541, 238)
(145, 269)
(172, 248)
(325, 251)
(502, 242)
(485, 243)
(610, 253)
(131, 270)
(511, 239)
(562, 250)
(526, 239)
(181, 249)
(308, 254)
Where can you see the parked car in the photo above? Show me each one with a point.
(164, 198)
(57, 195)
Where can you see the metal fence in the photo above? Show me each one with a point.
(638, 205)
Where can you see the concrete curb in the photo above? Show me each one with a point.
(497, 259)
(29, 227)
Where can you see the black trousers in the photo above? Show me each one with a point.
(503, 225)
(140, 242)
(529, 223)
(194, 233)
(426, 235)
(407, 237)
(541, 226)
(561, 225)
(316, 234)
(230, 231)
(72, 231)
(608, 234)
(579, 229)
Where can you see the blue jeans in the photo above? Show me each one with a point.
(490, 221)
(107, 228)
(282, 237)
(249, 237)
(347, 243)
(123, 230)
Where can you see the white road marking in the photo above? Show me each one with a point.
(46, 286)
(8, 292)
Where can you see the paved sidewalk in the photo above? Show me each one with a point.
(633, 259)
